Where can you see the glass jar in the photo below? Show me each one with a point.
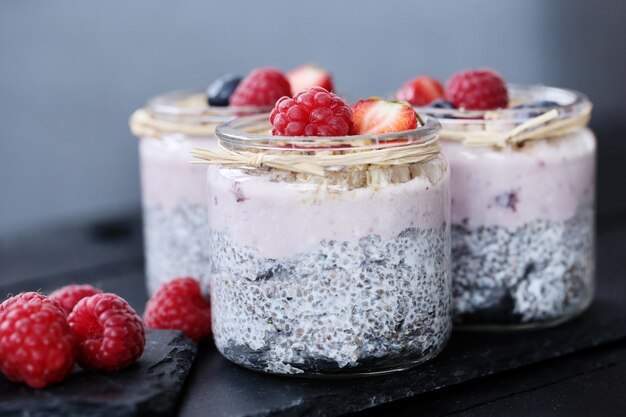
(173, 190)
(343, 271)
(522, 209)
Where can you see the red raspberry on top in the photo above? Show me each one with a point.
(180, 305)
(315, 112)
(377, 116)
(109, 333)
(262, 87)
(481, 89)
(36, 344)
(420, 91)
(306, 76)
(70, 295)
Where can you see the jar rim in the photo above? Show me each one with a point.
(190, 106)
(241, 132)
(570, 103)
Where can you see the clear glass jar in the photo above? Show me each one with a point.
(173, 190)
(522, 215)
(341, 273)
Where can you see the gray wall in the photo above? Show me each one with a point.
(71, 71)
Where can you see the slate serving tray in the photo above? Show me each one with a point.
(150, 387)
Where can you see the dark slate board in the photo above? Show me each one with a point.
(150, 387)
(555, 387)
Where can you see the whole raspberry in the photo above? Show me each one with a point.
(36, 344)
(109, 333)
(25, 297)
(179, 305)
(262, 87)
(315, 112)
(477, 90)
(70, 295)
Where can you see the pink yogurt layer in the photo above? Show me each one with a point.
(281, 219)
(546, 179)
(167, 174)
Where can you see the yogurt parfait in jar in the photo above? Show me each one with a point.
(173, 190)
(329, 238)
(522, 166)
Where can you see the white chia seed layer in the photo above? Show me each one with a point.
(338, 307)
(540, 272)
(175, 245)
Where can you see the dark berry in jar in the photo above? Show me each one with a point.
(441, 104)
(219, 92)
(537, 105)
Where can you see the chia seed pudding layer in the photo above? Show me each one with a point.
(338, 307)
(174, 247)
(539, 272)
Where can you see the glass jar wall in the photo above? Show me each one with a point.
(173, 190)
(522, 213)
(341, 273)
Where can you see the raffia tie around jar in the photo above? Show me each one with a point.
(315, 161)
(546, 125)
(143, 123)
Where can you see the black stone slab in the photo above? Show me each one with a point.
(601, 392)
(551, 387)
(150, 387)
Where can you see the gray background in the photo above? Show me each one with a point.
(72, 71)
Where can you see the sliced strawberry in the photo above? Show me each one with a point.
(375, 116)
(420, 91)
(307, 76)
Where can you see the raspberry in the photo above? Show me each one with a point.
(262, 87)
(25, 297)
(36, 344)
(109, 332)
(477, 90)
(420, 91)
(315, 112)
(70, 295)
(179, 305)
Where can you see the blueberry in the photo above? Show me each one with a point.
(220, 90)
(441, 104)
(508, 200)
(543, 104)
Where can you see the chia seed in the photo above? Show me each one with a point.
(175, 245)
(538, 273)
(340, 307)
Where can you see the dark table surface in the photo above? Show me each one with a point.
(575, 369)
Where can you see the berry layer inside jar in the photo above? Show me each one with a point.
(546, 179)
(281, 216)
(167, 174)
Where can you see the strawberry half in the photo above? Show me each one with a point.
(420, 91)
(376, 116)
(306, 76)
